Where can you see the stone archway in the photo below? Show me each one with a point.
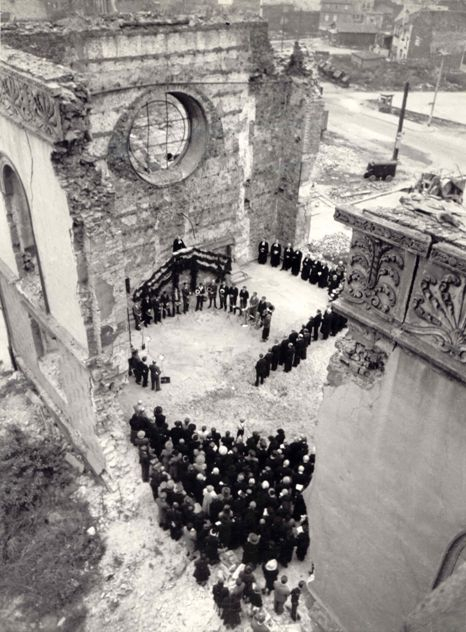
(18, 215)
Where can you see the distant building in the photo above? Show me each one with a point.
(285, 18)
(366, 59)
(358, 23)
(421, 33)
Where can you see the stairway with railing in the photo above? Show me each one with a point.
(192, 260)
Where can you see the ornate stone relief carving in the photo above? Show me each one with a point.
(375, 274)
(440, 306)
(29, 105)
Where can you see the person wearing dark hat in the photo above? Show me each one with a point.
(263, 251)
(294, 597)
(201, 570)
(261, 369)
(251, 550)
(281, 591)
(178, 244)
(275, 253)
(287, 257)
(296, 262)
(270, 570)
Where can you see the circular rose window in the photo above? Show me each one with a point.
(167, 137)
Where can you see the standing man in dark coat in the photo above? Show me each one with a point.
(178, 244)
(306, 268)
(261, 369)
(263, 251)
(243, 298)
(155, 304)
(287, 257)
(289, 357)
(323, 278)
(326, 320)
(275, 253)
(212, 294)
(316, 324)
(233, 294)
(223, 293)
(266, 324)
(155, 376)
(283, 349)
(296, 262)
(144, 371)
(301, 348)
(268, 361)
(200, 294)
(315, 270)
(185, 293)
(275, 350)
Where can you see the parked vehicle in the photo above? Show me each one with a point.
(381, 170)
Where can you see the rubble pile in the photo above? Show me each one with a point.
(440, 197)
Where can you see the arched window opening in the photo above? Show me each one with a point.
(22, 235)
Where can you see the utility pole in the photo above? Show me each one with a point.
(282, 24)
(401, 118)
(437, 86)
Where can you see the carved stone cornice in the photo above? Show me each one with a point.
(450, 257)
(401, 236)
(409, 291)
(55, 110)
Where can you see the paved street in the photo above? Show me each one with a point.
(422, 146)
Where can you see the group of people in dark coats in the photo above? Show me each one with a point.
(221, 491)
(313, 270)
(292, 349)
(141, 369)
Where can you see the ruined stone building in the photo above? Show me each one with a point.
(387, 507)
(115, 136)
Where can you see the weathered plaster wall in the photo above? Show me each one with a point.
(72, 402)
(31, 156)
(388, 492)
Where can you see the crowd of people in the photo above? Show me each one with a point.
(238, 301)
(311, 268)
(290, 351)
(224, 491)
